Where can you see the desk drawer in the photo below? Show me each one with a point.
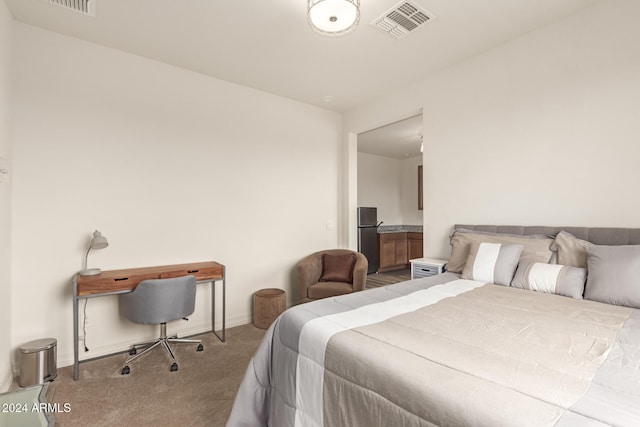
(112, 284)
(199, 273)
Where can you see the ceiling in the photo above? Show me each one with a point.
(268, 45)
(399, 140)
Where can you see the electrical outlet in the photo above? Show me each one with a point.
(5, 170)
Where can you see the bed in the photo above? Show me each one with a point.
(531, 326)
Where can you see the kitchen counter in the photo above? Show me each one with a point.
(399, 229)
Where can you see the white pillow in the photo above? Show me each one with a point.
(492, 262)
(551, 278)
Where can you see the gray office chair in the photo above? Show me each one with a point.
(159, 301)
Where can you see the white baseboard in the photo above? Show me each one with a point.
(6, 382)
(115, 347)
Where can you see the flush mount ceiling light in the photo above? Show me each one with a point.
(333, 17)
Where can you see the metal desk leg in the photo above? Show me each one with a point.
(213, 308)
(76, 360)
(224, 308)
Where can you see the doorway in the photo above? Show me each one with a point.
(383, 172)
(388, 160)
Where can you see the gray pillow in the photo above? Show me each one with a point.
(492, 262)
(571, 250)
(614, 275)
(550, 278)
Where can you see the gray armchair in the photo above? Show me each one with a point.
(159, 301)
(311, 285)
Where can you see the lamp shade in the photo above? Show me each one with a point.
(333, 17)
(98, 241)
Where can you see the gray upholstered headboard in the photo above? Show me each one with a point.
(596, 235)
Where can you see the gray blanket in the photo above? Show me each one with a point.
(445, 351)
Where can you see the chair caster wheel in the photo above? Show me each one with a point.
(200, 347)
(174, 367)
(132, 351)
(125, 370)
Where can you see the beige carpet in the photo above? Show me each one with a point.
(200, 393)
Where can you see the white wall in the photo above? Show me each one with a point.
(541, 130)
(6, 26)
(379, 185)
(391, 185)
(172, 167)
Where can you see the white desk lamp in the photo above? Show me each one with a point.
(97, 242)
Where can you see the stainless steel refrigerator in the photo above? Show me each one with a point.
(368, 236)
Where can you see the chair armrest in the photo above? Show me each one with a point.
(360, 272)
(309, 270)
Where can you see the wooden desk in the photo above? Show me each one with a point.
(115, 282)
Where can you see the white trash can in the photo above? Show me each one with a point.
(38, 362)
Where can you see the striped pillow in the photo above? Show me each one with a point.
(551, 278)
(492, 262)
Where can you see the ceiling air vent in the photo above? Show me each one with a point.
(403, 19)
(86, 7)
